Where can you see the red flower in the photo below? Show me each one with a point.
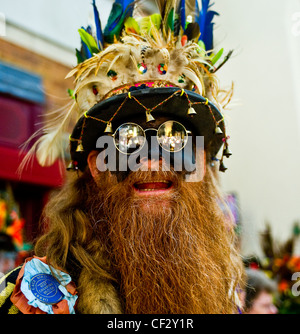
(254, 265)
(283, 286)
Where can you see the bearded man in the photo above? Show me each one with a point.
(140, 225)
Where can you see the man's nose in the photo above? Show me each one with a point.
(152, 164)
(152, 159)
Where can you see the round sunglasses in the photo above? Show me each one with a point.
(130, 138)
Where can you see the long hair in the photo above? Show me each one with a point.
(68, 231)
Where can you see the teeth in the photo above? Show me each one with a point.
(146, 186)
(153, 182)
(147, 189)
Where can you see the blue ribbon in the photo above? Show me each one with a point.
(34, 267)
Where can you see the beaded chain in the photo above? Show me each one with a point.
(148, 110)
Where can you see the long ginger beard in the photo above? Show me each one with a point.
(172, 253)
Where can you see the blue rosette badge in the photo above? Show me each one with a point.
(43, 290)
(46, 289)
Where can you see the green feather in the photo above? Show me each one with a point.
(216, 57)
(170, 20)
(147, 22)
(132, 25)
(114, 23)
(202, 45)
(115, 13)
(156, 20)
(201, 50)
(71, 93)
(79, 56)
(144, 24)
(89, 41)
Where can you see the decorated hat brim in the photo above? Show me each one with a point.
(171, 102)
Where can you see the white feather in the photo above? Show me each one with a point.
(190, 74)
(50, 146)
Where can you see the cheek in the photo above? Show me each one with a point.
(105, 180)
(195, 165)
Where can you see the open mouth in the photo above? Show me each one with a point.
(152, 186)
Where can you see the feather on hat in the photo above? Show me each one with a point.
(164, 52)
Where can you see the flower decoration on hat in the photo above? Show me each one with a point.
(171, 49)
(162, 68)
(142, 67)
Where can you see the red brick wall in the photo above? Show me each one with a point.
(52, 72)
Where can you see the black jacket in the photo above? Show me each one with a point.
(7, 284)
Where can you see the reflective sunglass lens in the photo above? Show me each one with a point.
(129, 137)
(172, 136)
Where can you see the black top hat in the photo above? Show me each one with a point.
(191, 108)
(160, 64)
